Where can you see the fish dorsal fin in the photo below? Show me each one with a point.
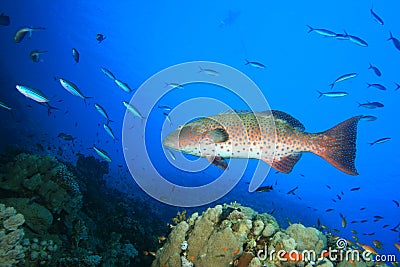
(289, 119)
(286, 164)
(219, 135)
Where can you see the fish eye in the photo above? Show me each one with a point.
(180, 126)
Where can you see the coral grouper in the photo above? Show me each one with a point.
(272, 136)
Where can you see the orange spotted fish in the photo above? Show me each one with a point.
(272, 136)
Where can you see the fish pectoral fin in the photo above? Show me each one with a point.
(285, 164)
(220, 162)
(219, 135)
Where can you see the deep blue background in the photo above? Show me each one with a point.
(142, 39)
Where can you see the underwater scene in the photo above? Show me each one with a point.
(199, 134)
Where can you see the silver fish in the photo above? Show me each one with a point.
(123, 86)
(102, 111)
(377, 86)
(376, 17)
(72, 88)
(375, 69)
(322, 32)
(4, 105)
(32, 93)
(357, 40)
(332, 94)
(132, 109)
(343, 78)
(110, 132)
(103, 154)
(21, 33)
(108, 73)
(75, 54)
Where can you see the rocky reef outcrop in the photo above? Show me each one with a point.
(237, 236)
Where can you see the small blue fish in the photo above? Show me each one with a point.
(75, 55)
(377, 86)
(102, 111)
(371, 105)
(103, 154)
(174, 85)
(395, 41)
(73, 89)
(132, 109)
(375, 69)
(110, 132)
(369, 118)
(343, 78)
(108, 73)
(4, 105)
(209, 72)
(167, 108)
(124, 86)
(376, 17)
(357, 40)
(255, 64)
(380, 141)
(332, 94)
(323, 32)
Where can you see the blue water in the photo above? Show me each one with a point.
(143, 39)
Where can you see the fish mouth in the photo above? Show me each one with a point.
(171, 141)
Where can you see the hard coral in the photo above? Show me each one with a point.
(11, 234)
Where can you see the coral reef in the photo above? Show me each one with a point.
(237, 236)
(69, 217)
(11, 234)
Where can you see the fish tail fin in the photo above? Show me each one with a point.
(369, 85)
(332, 85)
(338, 145)
(50, 108)
(370, 66)
(247, 62)
(398, 86)
(310, 29)
(320, 94)
(86, 97)
(391, 36)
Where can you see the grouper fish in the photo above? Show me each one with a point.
(272, 136)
